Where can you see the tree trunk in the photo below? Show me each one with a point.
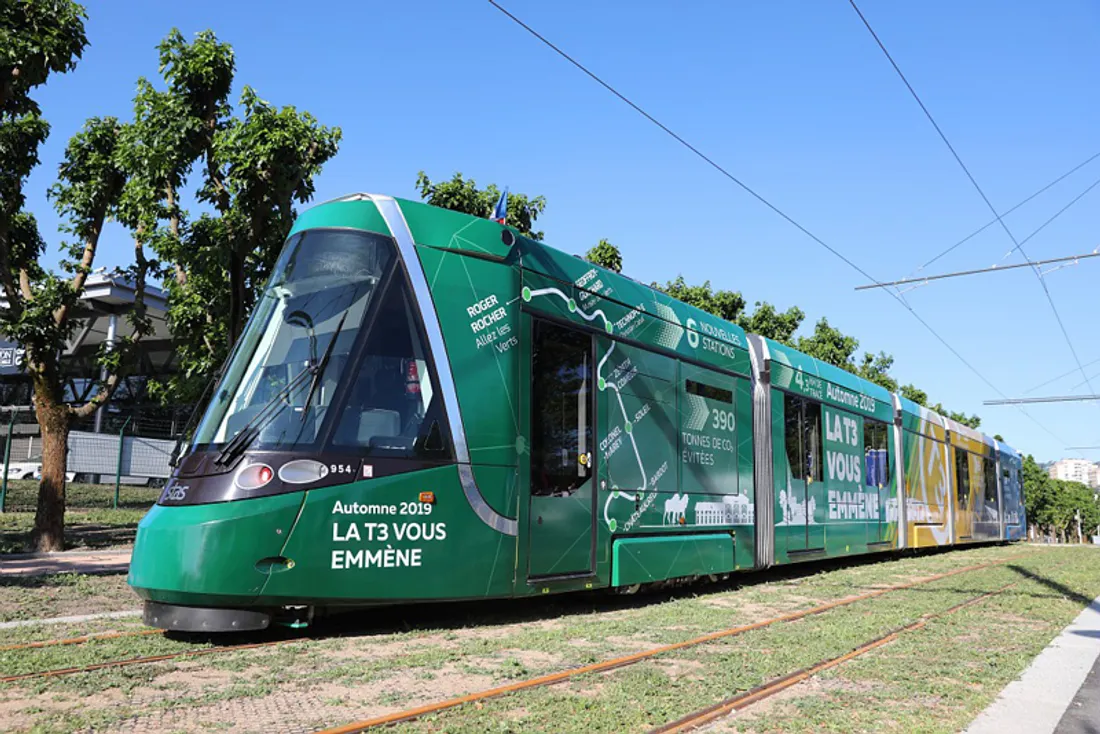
(49, 520)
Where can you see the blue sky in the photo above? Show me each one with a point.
(792, 97)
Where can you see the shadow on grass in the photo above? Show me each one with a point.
(89, 536)
(388, 619)
(1051, 584)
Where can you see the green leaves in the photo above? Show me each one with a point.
(723, 304)
(1052, 504)
(90, 179)
(606, 255)
(37, 38)
(199, 74)
(462, 195)
(766, 321)
(258, 165)
(830, 345)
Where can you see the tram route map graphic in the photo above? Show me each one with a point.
(603, 384)
(697, 414)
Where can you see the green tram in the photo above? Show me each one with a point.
(428, 406)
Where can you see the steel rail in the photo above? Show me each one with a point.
(620, 662)
(80, 640)
(146, 659)
(741, 701)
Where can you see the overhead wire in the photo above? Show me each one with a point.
(1059, 377)
(759, 197)
(977, 187)
(991, 222)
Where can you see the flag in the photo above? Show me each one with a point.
(500, 212)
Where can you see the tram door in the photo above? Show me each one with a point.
(802, 503)
(562, 414)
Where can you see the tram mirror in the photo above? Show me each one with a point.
(299, 318)
(305, 321)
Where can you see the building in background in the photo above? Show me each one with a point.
(102, 320)
(1076, 470)
(129, 439)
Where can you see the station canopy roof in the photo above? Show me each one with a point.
(105, 294)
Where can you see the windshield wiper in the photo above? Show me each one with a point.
(248, 433)
(244, 438)
(320, 368)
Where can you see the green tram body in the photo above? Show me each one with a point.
(495, 418)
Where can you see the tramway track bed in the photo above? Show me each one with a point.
(359, 671)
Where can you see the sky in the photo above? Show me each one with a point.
(793, 98)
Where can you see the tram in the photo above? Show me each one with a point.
(428, 406)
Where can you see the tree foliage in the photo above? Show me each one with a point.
(254, 167)
(1052, 504)
(39, 38)
(462, 195)
(606, 255)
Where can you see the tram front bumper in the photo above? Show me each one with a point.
(178, 618)
(211, 556)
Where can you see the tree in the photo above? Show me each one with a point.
(255, 168)
(876, 369)
(918, 396)
(462, 195)
(830, 345)
(724, 304)
(37, 38)
(1052, 505)
(606, 255)
(766, 321)
(972, 421)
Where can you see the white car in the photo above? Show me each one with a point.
(31, 470)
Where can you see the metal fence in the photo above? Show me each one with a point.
(119, 458)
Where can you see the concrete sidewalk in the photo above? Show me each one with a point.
(41, 564)
(1059, 691)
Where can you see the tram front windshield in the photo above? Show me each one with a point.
(343, 294)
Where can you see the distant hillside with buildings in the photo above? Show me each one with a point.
(1076, 470)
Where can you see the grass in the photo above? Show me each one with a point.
(91, 521)
(22, 496)
(93, 529)
(934, 679)
(62, 595)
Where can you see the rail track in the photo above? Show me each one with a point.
(415, 713)
(56, 672)
(620, 662)
(80, 640)
(741, 701)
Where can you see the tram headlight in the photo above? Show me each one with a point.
(254, 476)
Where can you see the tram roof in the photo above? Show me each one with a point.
(450, 230)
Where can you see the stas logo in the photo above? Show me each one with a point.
(176, 493)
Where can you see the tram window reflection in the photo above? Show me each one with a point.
(390, 409)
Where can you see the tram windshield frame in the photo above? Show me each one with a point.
(339, 309)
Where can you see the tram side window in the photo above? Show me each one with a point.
(989, 472)
(792, 428)
(561, 415)
(876, 453)
(812, 441)
(708, 391)
(802, 432)
(392, 409)
(962, 477)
